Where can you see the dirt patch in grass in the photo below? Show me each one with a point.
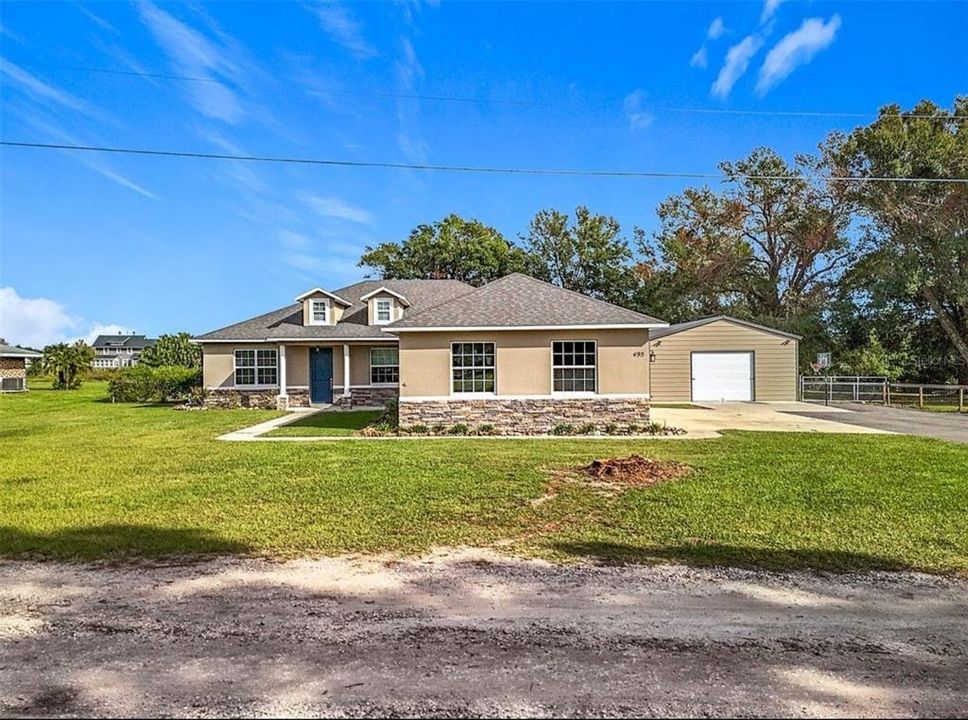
(634, 471)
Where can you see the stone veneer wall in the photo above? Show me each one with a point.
(367, 397)
(521, 416)
(12, 368)
(268, 399)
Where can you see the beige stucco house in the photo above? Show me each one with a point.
(517, 353)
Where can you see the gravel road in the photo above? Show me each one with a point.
(472, 633)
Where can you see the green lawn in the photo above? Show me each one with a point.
(333, 423)
(82, 478)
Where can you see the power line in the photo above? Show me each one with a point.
(457, 168)
(521, 103)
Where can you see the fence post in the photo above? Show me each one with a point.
(827, 387)
(921, 397)
(961, 399)
(887, 394)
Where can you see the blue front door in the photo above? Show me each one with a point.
(321, 375)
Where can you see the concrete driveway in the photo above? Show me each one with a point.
(708, 419)
(944, 426)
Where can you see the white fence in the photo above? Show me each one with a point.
(872, 389)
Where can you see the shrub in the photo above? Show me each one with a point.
(611, 429)
(418, 429)
(586, 429)
(154, 384)
(438, 429)
(485, 429)
(391, 413)
(633, 429)
(458, 429)
(563, 429)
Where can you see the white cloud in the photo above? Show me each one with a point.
(40, 90)
(97, 20)
(737, 61)
(716, 29)
(338, 22)
(699, 58)
(195, 55)
(769, 9)
(638, 118)
(36, 322)
(795, 49)
(331, 207)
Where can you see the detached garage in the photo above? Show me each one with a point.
(721, 359)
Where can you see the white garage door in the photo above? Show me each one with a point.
(722, 376)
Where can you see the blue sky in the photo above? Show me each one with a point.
(158, 245)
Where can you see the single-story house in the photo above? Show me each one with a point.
(722, 358)
(517, 353)
(13, 367)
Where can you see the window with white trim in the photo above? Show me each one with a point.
(256, 367)
(382, 310)
(573, 366)
(472, 367)
(318, 312)
(384, 366)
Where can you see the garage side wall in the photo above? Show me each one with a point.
(775, 360)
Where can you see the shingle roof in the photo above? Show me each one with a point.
(520, 301)
(286, 322)
(680, 327)
(14, 351)
(126, 341)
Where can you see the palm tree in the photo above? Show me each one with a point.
(66, 362)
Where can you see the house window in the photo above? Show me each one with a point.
(472, 367)
(383, 311)
(384, 366)
(573, 366)
(256, 367)
(318, 312)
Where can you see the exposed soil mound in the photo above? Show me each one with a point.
(634, 470)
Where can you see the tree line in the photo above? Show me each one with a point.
(874, 271)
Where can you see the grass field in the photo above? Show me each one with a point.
(81, 478)
(328, 424)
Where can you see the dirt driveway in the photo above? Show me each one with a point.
(469, 634)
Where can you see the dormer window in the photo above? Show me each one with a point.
(318, 311)
(384, 309)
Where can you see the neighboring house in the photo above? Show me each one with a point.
(13, 366)
(722, 358)
(117, 351)
(518, 353)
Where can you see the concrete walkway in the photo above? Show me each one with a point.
(253, 432)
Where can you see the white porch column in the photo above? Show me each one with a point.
(282, 371)
(346, 370)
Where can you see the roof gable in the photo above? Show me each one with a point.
(286, 323)
(692, 324)
(14, 351)
(327, 293)
(518, 301)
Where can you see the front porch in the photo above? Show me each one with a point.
(308, 374)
